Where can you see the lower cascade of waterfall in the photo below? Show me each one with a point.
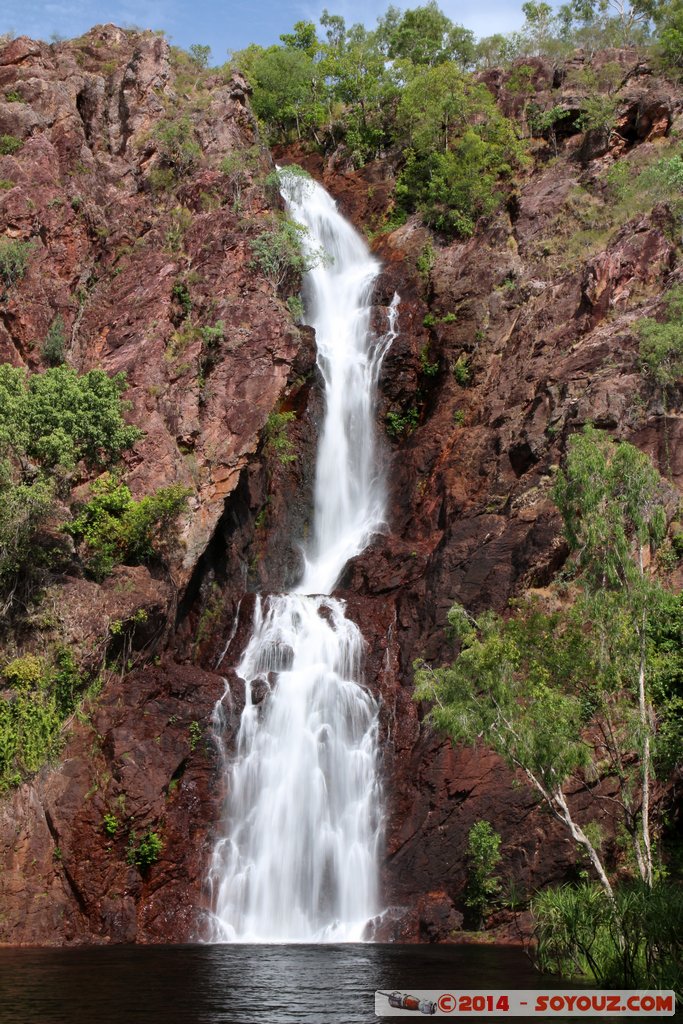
(298, 860)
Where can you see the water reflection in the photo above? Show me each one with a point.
(235, 984)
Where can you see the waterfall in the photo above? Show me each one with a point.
(299, 857)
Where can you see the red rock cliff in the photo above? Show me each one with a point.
(550, 346)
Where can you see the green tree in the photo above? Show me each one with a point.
(661, 343)
(669, 42)
(24, 507)
(70, 417)
(534, 683)
(612, 502)
(459, 147)
(483, 856)
(287, 90)
(603, 23)
(57, 418)
(113, 527)
(304, 37)
(504, 686)
(538, 25)
(53, 348)
(177, 145)
(494, 51)
(426, 36)
(200, 55)
(49, 422)
(354, 67)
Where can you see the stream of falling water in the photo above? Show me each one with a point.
(298, 861)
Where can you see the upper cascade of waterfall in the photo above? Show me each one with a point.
(349, 497)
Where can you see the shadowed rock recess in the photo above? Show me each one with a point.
(136, 265)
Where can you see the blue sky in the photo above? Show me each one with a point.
(231, 24)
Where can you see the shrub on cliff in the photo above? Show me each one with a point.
(459, 148)
(14, 256)
(661, 346)
(176, 144)
(146, 852)
(239, 168)
(113, 527)
(24, 508)
(49, 422)
(9, 144)
(280, 255)
(53, 348)
(483, 856)
(59, 417)
(43, 692)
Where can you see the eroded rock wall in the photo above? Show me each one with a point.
(550, 345)
(113, 254)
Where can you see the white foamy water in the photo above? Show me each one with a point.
(299, 857)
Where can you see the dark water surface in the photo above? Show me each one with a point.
(241, 984)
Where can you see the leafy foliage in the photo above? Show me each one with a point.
(483, 855)
(113, 527)
(9, 144)
(176, 144)
(200, 55)
(44, 693)
(53, 349)
(57, 418)
(14, 256)
(49, 423)
(110, 824)
(239, 168)
(24, 507)
(146, 852)
(661, 344)
(280, 255)
(287, 85)
(669, 46)
(544, 123)
(425, 36)
(611, 498)
(462, 371)
(566, 693)
(277, 438)
(501, 686)
(633, 944)
(459, 147)
(181, 294)
(401, 423)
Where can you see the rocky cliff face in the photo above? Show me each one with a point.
(136, 272)
(549, 342)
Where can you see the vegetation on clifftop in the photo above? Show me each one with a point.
(409, 87)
